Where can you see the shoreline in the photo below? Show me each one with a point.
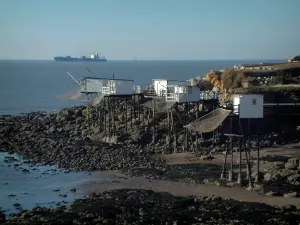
(65, 140)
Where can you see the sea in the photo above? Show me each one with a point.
(33, 85)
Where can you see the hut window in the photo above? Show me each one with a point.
(253, 101)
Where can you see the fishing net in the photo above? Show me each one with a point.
(70, 95)
(160, 105)
(209, 122)
(95, 99)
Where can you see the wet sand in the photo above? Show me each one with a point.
(185, 189)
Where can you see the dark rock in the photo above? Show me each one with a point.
(25, 171)
(2, 217)
(63, 195)
(291, 166)
(127, 206)
(292, 194)
(294, 178)
(17, 205)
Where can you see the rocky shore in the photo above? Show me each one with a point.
(66, 140)
(147, 207)
(63, 139)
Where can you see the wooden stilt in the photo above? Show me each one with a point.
(114, 114)
(153, 134)
(168, 127)
(134, 111)
(109, 116)
(126, 115)
(105, 115)
(174, 132)
(225, 162)
(240, 176)
(131, 105)
(257, 180)
(139, 107)
(230, 177)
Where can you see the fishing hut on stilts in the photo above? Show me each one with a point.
(105, 96)
(119, 95)
(240, 125)
(89, 90)
(180, 101)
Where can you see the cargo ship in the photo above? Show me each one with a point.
(92, 58)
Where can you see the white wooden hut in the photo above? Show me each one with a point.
(108, 86)
(182, 93)
(160, 86)
(248, 105)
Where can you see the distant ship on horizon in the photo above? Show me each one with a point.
(92, 58)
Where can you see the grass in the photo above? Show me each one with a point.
(268, 88)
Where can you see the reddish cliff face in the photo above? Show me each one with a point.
(215, 79)
(228, 79)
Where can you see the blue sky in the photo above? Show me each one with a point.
(150, 29)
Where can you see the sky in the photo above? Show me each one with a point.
(150, 29)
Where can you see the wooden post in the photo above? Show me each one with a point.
(139, 107)
(143, 114)
(248, 167)
(230, 175)
(93, 115)
(133, 105)
(104, 109)
(197, 115)
(99, 117)
(109, 116)
(153, 134)
(185, 144)
(126, 120)
(168, 127)
(88, 115)
(148, 120)
(174, 132)
(258, 148)
(224, 165)
(249, 155)
(197, 141)
(113, 115)
(240, 177)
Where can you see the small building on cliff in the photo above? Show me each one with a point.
(295, 59)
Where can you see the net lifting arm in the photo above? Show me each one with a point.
(72, 77)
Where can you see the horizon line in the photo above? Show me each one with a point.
(33, 59)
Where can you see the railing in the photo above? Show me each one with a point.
(106, 90)
(149, 91)
(209, 95)
(137, 89)
(172, 97)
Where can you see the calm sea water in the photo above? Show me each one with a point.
(36, 187)
(33, 85)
